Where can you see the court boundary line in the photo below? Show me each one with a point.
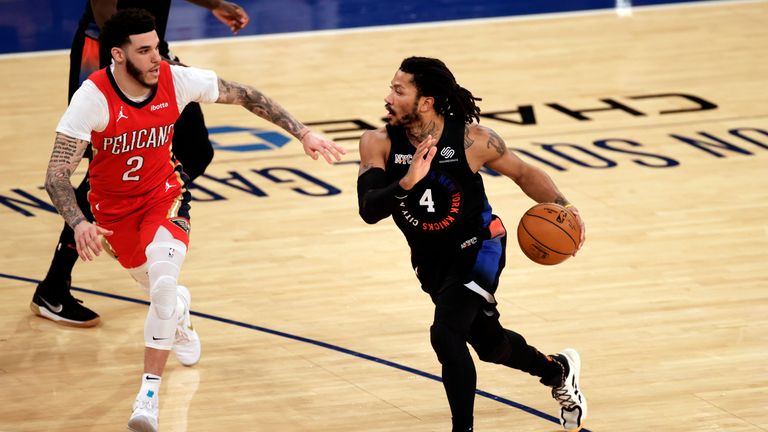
(431, 24)
(314, 342)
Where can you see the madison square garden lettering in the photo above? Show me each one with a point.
(601, 153)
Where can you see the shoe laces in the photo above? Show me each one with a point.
(71, 299)
(181, 334)
(145, 404)
(563, 396)
(183, 330)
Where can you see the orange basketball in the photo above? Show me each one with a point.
(548, 233)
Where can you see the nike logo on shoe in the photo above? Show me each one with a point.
(153, 337)
(54, 309)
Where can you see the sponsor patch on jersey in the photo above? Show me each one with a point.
(468, 243)
(403, 159)
(159, 106)
(181, 223)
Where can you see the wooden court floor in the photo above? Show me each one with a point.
(297, 297)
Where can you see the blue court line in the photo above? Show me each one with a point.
(321, 344)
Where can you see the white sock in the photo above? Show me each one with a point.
(150, 386)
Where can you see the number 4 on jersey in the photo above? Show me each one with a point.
(426, 200)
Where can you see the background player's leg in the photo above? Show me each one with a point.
(52, 298)
(191, 145)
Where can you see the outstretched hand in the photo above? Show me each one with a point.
(87, 240)
(316, 146)
(232, 15)
(422, 159)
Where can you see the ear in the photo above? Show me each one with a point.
(426, 103)
(118, 54)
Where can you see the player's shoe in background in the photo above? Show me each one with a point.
(57, 304)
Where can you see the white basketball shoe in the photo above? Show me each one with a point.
(573, 403)
(145, 411)
(186, 344)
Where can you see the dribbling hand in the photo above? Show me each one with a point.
(575, 212)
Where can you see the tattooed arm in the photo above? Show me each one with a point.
(260, 104)
(486, 147)
(67, 153)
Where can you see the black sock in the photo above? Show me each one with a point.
(462, 425)
(57, 281)
(556, 369)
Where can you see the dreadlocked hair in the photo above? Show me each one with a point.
(433, 79)
(119, 27)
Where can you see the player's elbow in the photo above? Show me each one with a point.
(49, 184)
(369, 217)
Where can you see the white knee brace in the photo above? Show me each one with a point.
(164, 260)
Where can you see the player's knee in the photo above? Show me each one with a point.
(445, 341)
(164, 260)
(162, 295)
(493, 353)
(498, 346)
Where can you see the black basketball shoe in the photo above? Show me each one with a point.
(61, 307)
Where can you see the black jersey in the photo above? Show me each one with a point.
(444, 214)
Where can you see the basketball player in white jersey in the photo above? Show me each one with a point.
(138, 190)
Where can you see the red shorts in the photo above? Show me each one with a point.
(134, 221)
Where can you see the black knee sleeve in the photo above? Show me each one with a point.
(447, 343)
(500, 346)
(494, 353)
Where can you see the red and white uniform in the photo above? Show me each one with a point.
(136, 184)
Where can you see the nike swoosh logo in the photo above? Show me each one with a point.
(153, 338)
(153, 379)
(54, 309)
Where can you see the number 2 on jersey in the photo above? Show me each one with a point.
(139, 162)
(426, 200)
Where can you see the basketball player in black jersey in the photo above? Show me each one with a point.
(422, 169)
(191, 146)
